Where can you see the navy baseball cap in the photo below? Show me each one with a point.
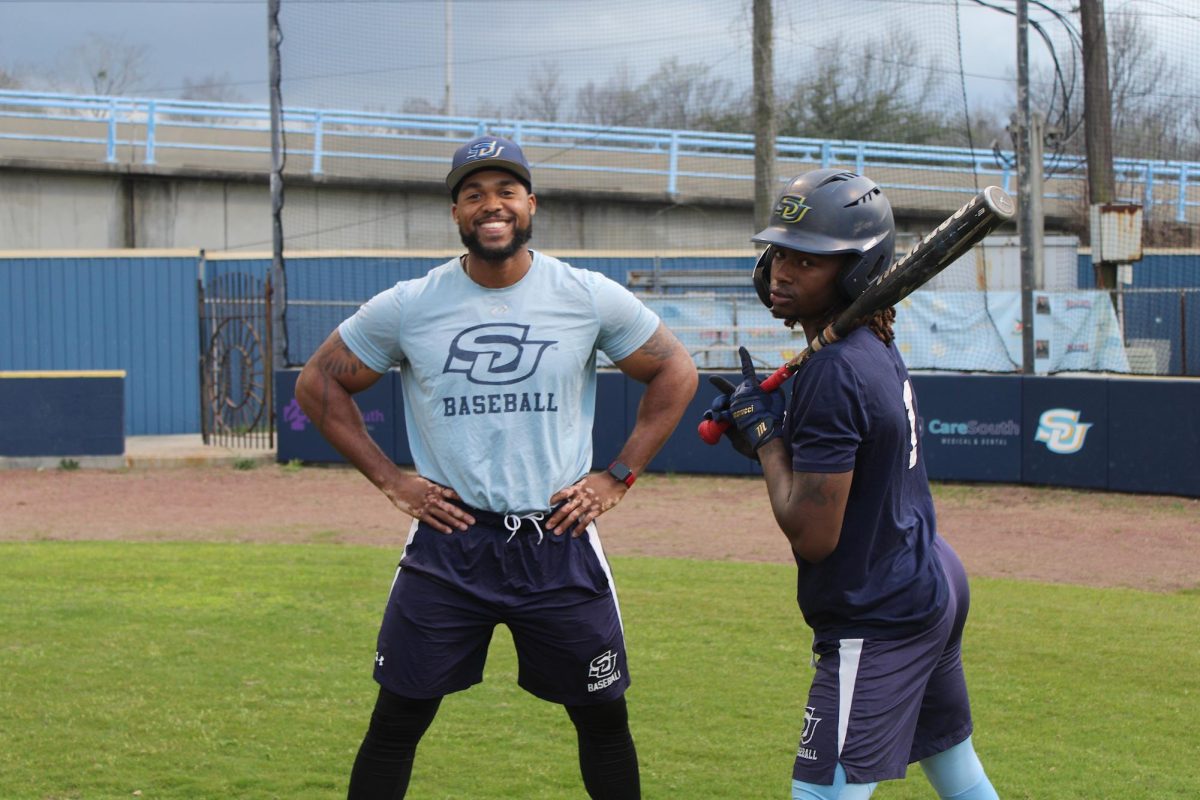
(487, 152)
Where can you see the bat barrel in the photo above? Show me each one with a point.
(1000, 203)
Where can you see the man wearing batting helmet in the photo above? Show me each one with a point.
(885, 596)
(497, 355)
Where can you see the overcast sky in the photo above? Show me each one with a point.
(357, 53)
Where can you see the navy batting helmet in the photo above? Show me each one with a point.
(826, 212)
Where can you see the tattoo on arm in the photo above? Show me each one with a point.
(320, 422)
(661, 345)
(810, 488)
(339, 361)
(333, 362)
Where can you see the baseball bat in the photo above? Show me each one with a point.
(937, 250)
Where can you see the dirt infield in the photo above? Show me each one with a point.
(1052, 535)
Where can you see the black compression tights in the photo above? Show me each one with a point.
(607, 758)
(385, 758)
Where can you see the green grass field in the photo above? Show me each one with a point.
(243, 671)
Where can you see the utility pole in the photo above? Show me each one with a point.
(278, 278)
(1029, 221)
(1097, 124)
(764, 113)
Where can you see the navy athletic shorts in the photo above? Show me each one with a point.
(554, 592)
(879, 705)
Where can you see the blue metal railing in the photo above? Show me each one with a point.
(329, 136)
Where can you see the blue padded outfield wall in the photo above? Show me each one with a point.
(136, 311)
(1120, 434)
(118, 311)
(62, 413)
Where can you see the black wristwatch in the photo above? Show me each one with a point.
(622, 473)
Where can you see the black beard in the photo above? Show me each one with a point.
(520, 237)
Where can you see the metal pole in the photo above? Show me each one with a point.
(1097, 121)
(764, 113)
(1183, 334)
(448, 97)
(202, 318)
(1037, 239)
(277, 278)
(1025, 204)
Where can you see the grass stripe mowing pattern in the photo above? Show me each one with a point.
(186, 670)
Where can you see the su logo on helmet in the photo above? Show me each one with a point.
(791, 208)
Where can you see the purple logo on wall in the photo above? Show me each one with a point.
(295, 417)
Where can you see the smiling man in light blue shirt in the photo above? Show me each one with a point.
(497, 351)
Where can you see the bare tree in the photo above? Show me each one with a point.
(882, 90)
(9, 79)
(107, 65)
(1191, 134)
(1147, 119)
(1142, 78)
(989, 127)
(688, 96)
(544, 98)
(615, 102)
(415, 105)
(676, 95)
(211, 88)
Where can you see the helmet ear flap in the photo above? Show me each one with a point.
(762, 275)
(861, 272)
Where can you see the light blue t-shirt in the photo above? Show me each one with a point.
(500, 384)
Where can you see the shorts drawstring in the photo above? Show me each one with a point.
(513, 523)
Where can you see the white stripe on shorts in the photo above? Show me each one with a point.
(412, 532)
(849, 655)
(594, 538)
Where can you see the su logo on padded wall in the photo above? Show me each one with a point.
(495, 353)
(1062, 431)
(791, 208)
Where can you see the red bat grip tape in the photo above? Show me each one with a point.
(710, 430)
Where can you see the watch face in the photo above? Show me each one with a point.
(621, 472)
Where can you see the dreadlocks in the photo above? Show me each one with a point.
(880, 324)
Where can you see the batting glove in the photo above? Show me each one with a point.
(719, 412)
(757, 414)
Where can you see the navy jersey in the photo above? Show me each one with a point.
(853, 408)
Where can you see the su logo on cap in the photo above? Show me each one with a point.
(480, 150)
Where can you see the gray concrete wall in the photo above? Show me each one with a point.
(334, 218)
(46, 209)
(97, 208)
(40, 212)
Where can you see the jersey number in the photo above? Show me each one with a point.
(912, 424)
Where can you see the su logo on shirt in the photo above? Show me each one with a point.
(495, 353)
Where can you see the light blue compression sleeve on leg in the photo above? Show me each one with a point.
(840, 790)
(956, 774)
